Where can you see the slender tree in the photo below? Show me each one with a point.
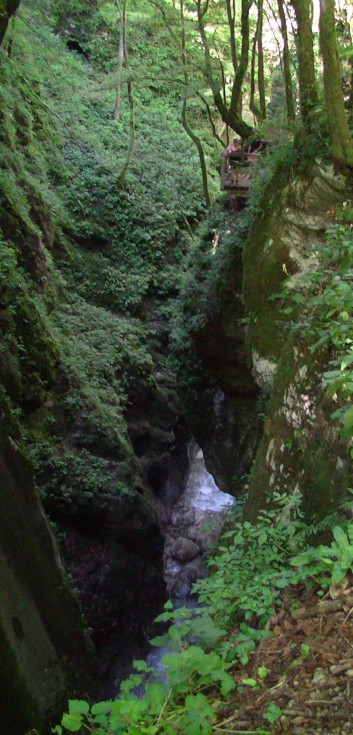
(306, 71)
(126, 166)
(253, 106)
(120, 60)
(7, 10)
(192, 135)
(286, 63)
(341, 140)
(260, 55)
(229, 112)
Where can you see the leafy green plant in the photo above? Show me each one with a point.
(181, 707)
(327, 564)
(273, 713)
(325, 300)
(250, 566)
(253, 564)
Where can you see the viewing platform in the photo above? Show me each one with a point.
(237, 166)
(236, 172)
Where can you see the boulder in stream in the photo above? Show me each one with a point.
(184, 549)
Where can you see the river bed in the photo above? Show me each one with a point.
(195, 525)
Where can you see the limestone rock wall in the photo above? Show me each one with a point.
(226, 422)
(44, 657)
(301, 449)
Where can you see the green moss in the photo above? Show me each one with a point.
(324, 480)
(37, 355)
(24, 122)
(298, 451)
(266, 267)
(69, 477)
(17, 719)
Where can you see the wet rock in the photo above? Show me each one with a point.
(43, 653)
(196, 522)
(120, 585)
(193, 533)
(184, 549)
(183, 583)
(182, 517)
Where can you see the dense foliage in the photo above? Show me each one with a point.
(324, 298)
(107, 279)
(79, 232)
(248, 571)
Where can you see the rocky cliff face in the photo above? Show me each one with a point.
(94, 406)
(221, 400)
(267, 374)
(98, 480)
(230, 438)
(43, 652)
(302, 450)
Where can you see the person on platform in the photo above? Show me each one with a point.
(233, 150)
(255, 147)
(233, 153)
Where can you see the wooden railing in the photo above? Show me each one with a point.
(236, 171)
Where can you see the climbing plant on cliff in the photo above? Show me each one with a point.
(326, 304)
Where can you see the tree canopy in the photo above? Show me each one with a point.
(220, 57)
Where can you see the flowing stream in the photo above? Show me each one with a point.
(195, 525)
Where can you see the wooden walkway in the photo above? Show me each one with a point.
(236, 172)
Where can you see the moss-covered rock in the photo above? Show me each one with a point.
(301, 449)
(218, 393)
(40, 626)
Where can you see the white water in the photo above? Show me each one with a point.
(199, 516)
(201, 492)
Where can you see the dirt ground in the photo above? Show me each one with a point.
(309, 663)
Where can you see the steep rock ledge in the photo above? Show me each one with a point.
(43, 654)
(80, 379)
(301, 450)
(230, 440)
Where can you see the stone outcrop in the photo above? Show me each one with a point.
(184, 549)
(301, 450)
(44, 657)
(227, 427)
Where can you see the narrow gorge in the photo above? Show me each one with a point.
(175, 364)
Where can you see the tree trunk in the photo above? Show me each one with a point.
(231, 23)
(286, 64)
(122, 177)
(195, 139)
(209, 115)
(7, 10)
(116, 112)
(307, 81)
(244, 56)
(260, 61)
(230, 115)
(253, 106)
(341, 141)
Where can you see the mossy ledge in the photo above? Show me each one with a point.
(301, 449)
